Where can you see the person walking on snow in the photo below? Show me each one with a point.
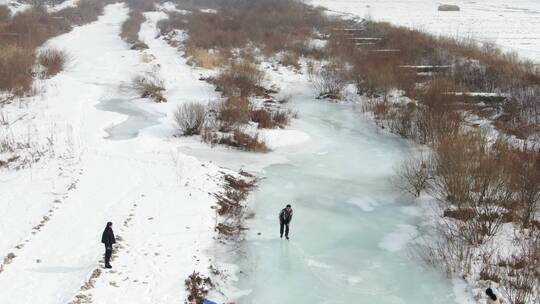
(108, 239)
(285, 217)
(492, 298)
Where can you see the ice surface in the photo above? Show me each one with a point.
(349, 233)
(137, 118)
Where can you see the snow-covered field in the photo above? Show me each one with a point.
(159, 199)
(514, 25)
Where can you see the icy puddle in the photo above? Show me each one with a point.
(350, 229)
(137, 118)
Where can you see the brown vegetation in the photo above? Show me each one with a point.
(53, 60)
(240, 78)
(22, 34)
(150, 86)
(16, 68)
(131, 27)
(245, 141)
(231, 207)
(197, 287)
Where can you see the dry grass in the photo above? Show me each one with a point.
(197, 287)
(240, 78)
(206, 59)
(150, 86)
(246, 142)
(16, 68)
(53, 60)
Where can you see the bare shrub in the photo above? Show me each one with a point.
(197, 287)
(468, 176)
(231, 207)
(190, 118)
(53, 60)
(263, 118)
(290, 59)
(269, 119)
(523, 169)
(522, 276)
(240, 78)
(131, 27)
(235, 111)
(16, 68)
(150, 86)
(246, 142)
(447, 251)
(413, 174)
(281, 118)
(329, 80)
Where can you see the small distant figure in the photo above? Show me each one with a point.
(108, 239)
(285, 217)
(492, 297)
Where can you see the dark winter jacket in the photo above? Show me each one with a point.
(108, 237)
(285, 216)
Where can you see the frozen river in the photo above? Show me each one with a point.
(514, 25)
(350, 231)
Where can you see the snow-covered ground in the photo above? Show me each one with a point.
(19, 6)
(158, 197)
(514, 25)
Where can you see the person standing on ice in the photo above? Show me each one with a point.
(492, 298)
(108, 239)
(285, 217)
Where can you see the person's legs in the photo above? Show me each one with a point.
(287, 231)
(108, 253)
(281, 229)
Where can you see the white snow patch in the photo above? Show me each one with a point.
(280, 138)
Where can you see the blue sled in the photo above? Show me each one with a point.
(209, 302)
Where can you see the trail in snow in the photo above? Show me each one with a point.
(172, 224)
